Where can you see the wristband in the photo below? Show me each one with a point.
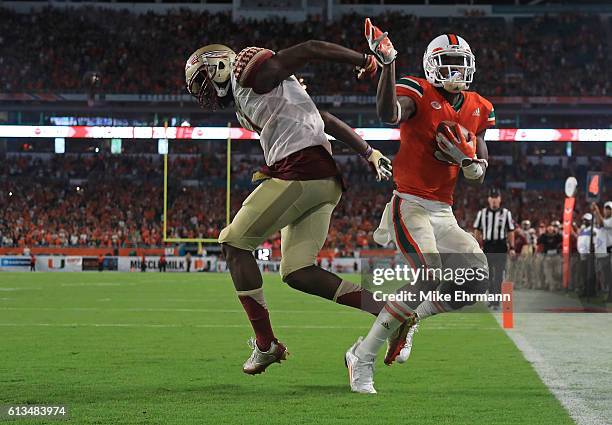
(367, 153)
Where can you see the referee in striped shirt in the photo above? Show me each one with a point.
(495, 229)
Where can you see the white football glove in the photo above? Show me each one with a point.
(462, 152)
(476, 169)
(379, 43)
(381, 164)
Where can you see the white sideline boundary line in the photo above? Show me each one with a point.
(578, 411)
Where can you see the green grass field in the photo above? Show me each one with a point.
(168, 349)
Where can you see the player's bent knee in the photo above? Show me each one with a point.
(235, 236)
(295, 261)
(292, 279)
(231, 253)
(296, 278)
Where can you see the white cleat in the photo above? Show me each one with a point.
(361, 373)
(404, 353)
(260, 360)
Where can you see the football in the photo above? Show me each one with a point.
(448, 129)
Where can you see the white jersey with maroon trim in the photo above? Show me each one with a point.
(286, 118)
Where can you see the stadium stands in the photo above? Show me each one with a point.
(53, 49)
(116, 200)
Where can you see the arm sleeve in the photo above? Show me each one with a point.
(510, 222)
(477, 221)
(248, 62)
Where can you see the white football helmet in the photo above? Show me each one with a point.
(448, 62)
(207, 74)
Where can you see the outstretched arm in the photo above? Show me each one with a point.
(287, 61)
(392, 109)
(339, 130)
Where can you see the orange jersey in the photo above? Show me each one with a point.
(415, 168)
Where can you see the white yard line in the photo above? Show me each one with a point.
(21, 288)
(97, 284)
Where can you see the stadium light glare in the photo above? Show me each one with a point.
(60, 145)
(116, 146)
(162, 146)
(236, 133)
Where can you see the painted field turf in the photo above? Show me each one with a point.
(168, 349)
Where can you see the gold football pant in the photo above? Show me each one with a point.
(301, 210)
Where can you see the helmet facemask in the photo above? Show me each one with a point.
(452, 68)
(210, 82)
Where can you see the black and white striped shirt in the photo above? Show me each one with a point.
(494, 225)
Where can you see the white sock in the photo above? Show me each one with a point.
(344, 288)
(389, 319)
(256, 294)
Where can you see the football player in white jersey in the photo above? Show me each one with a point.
(301, 182)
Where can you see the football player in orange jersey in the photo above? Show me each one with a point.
(425, 171)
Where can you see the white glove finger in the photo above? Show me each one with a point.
(386, 170)
(440, 157)
(441, 137)
(386, 163)
(444, 144)
(360, 72)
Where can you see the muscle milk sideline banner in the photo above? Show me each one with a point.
(173, 264)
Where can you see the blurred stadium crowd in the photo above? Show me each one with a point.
(65, 44)
(117, 200)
